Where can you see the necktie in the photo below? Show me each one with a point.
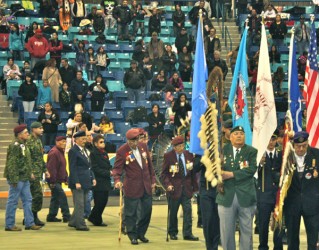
(271, 158)
(181, 165)
(237, 155)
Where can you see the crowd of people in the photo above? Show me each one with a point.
(153, 68)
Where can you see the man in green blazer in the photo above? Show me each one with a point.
(237, 197)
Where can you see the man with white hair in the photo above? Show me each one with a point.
(215, 60)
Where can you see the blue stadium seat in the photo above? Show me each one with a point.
(64, 116)
(128, 106)
(62, 128)
(114, 65)
(119, 75)
(149, 93)
(162, 105)
(125, 65)
(114, 85)
(145, 103)
(30, 117)
(108, 75)
(97, 116)
(109, 105)
(143, 125)
(11, 86)
(115, 116)
(122, 127)
(124, 57)
(113, 48)
(127, 48)
(188, 86)
(113, 138)
(119, 96)
(39, 20)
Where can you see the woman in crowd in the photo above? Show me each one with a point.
(44, 95)
(185, 65)
(159, 81)
(176, 82)
(181, 109)
(50, 120)
(170, 114)
(106, 126)
(101, 168)
(98, 90)
(178, 19)
(29, 92)
(80, 58)
(169, 60)
(16, 45)
(31, 31)
(52, 75)
(65, 98)
(274, 55)
(102, 60)
(156, 122)
(90, 64)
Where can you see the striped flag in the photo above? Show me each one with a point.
(311, 89)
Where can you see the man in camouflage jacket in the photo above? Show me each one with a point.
(38, 168)
(18, 173)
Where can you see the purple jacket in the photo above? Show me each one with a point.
(56, 166)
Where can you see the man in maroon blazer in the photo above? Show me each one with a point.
(134, 160)
(179, 179)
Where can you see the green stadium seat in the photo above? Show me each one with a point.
(24, 21)
(115, 85)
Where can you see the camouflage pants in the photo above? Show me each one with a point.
(37, 196)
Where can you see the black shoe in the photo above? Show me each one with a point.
(54, 219)
(38, 222)
(23, 222)
(69, 225)
(173, 237)
(65, 220)
(143, 239)
(83, 229)
(191, 238)
(134, 241)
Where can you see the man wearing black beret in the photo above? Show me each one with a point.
(303, 194)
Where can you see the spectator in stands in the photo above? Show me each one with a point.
(25, 69)
(169, 60)
(278, 31)
(11, 70)
(271, 12)
(99, 23)
(98, 90)
(16, 44)
(274, 55)
(154, 24)
(103, 61)
(185, 65)
(232, 57)
(44, 95)
(55, 48)
(302, 35)
(122, 14)
(90, 64)
(139, 20)
(80, 57)
(206, 7)
(155, 49)
(146, 67)
(156, 121)
(92, 14)
(159, 81)
(278, 78)
(134, 82)
(253, 71)
(73, 123)
(79, 88)
(78, 12)
(50, 120)
(67, 72)
(216, 61)
(29, 92)
(106, 126)
(181, 108)
(178, 18)
(108, 7)
(65, 98)
(47, 9)
(101, 168)
(182, 40)
(212, 43)
(139, 51)
(51, 73)
(207, 25)
(176, 82)
(194, 15)
(31, 31)
(38, 47)
(302, 62)
(254, 24)
(169, 114)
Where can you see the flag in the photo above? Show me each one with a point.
(311, 91)
(237, 100)
(265, 118)
(293, 85)
(199, 102)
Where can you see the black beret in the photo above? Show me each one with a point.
(237, 128)
(79, 134)
(301, 137)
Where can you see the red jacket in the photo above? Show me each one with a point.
(176, 180)
(56, 166)
(136, 179)
(37, 47)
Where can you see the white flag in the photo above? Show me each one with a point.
(265, 119)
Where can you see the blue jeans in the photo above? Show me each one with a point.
(135, 94)
(87, 208)
(22, 190)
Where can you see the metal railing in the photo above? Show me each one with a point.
(228, 37)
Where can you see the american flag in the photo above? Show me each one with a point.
(311, 90)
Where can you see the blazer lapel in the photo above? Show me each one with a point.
(82, 154)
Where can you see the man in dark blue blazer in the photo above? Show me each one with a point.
(81, 179)
(303, 194)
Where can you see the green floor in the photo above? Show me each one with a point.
(60, 236)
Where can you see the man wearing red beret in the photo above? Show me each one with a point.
(179, 179)
(18, 172)
(56, 165)
(134, 160)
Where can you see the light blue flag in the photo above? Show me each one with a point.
(199, 102)
(237, 100)
(294, 95)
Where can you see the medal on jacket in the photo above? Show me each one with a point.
(129, 157)
(189, 165)
(315, 172)
(144, 155)
(174, 169)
